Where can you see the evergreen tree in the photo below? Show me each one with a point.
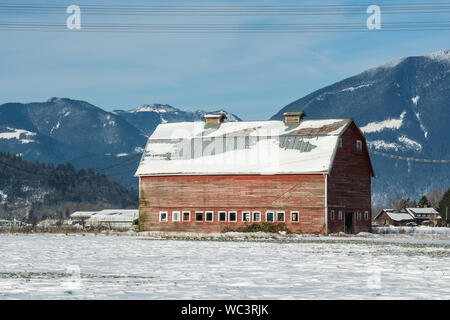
(444, 206)
(423, 202)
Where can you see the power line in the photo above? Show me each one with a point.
(117, 164)
(226, 10)
(225, 28)
(24, 170)
(407, 158)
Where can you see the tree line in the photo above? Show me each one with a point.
(33, 191)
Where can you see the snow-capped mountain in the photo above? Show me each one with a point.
(403, 109)
(60, 129)
(147, 117)
(65, 130)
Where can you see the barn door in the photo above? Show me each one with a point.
(349, 222)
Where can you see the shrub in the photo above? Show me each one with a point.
(263, 227)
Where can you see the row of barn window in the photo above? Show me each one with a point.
(228, 216)
(340, 215)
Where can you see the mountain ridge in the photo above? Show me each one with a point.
(402, 108)
(61, 130)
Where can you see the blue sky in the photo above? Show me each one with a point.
(251, 75)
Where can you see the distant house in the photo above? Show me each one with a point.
(424, 215)
(108, 217)
(391, 217)
(312, 175)
(10, 223)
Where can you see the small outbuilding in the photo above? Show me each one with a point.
(391, 217)
(424, 215)
(108, 217)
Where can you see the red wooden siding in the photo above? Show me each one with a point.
(303, 193)
(348, 185)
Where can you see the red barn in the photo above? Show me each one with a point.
(312, 175)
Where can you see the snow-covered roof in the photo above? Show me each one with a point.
(399, 216)
(108, 215)
(422, 211)
(82, 214)
(250, 147)
(396, 215)
(115, 216)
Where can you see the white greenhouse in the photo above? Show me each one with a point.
(107, 217)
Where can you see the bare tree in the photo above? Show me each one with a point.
(434, 197)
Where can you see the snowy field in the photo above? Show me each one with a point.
(45, 266)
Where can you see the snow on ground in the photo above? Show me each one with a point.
(351, 89)
(385, 124)
(406, 143)
(3, 196)
(44, 266)
(57, 126)
(121, 155)
(17, 134)
(415, 100)
(412, 230)
(425, 132)
(443, 56)
(410, 143)
(381, 144)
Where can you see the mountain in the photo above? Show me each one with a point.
(65, 130)
(37, 191)
(403, 109)
(59, 129)
(147, 117)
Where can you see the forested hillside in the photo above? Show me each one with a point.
(33, 191)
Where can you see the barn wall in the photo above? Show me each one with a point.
(304, 193)
(348, 184)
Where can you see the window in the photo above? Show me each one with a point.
(340, 142)
(332, 215)
(246, 216)
(294, 216)
(256, 216)
(269, 216)
(359, 144)
(366, 215)
(358, 215)
(209, 216)
(186, 216)
(280, 216)
(199, 215)
(232, 216)
(222, 216)
(340, 215)
(176, 216)
(163, 216)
